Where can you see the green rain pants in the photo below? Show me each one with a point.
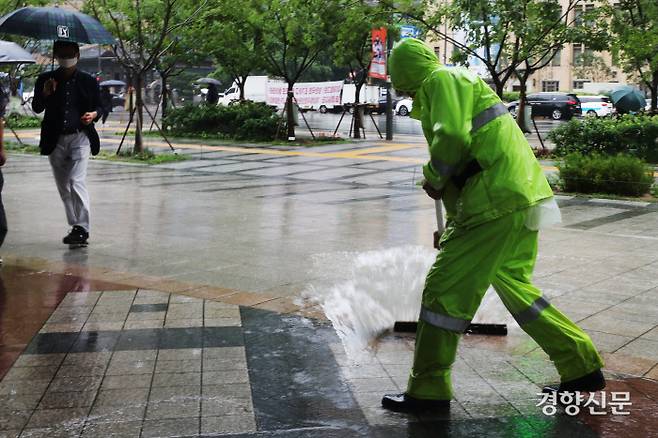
(501, 253)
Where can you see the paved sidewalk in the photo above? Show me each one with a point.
(218, 251)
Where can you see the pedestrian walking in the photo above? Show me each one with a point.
(4, 101)
(496, 198)
(71, 100)
(106, 103)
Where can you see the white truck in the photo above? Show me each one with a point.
(255, 89)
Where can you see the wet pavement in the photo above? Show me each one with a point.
(184, 316)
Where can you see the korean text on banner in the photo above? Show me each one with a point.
(378, 64)
(307, 94)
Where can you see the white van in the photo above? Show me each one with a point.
(595, 106)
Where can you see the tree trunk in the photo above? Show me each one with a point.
(290, 119)
(241, 83)
(138, 148)
(163, 95)
(357, 112)
(654, 92)
(520, 110)
(500, 86)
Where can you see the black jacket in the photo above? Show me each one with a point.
(51, 127)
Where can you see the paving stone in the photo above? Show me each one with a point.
(125, 429)
(171, 427)
(231, 424)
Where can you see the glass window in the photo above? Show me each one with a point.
(579, 84)
(577, 54)
(556, 61)
(550, 86)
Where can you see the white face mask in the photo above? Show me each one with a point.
(67, 62)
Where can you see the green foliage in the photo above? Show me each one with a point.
(147, 156)
(14, 146)
(245, 121)
(21, 121)
(633, 134)
(618, 174)
(634, 37)
(507, 36)
(510, 96)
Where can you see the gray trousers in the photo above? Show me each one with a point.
(69, 162)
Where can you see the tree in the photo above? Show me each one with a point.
(634, 29)
(353, 47)
(509, 37)
(593, 67)
(232, 41)
(294, 34)
(145, 33)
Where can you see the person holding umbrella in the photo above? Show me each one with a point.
(4, 100)
(71, 100)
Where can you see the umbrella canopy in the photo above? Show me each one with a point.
(208, 81)
(112, 83)
(12, 53)
(627, 98)
(55, 24)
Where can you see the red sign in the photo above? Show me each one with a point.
(378, 63)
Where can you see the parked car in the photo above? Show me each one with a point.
(595, 106)
(403, 107)
(554, 105)
(380, 108)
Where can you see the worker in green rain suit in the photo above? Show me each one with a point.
(496, 197)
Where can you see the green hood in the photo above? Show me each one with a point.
(411, 61)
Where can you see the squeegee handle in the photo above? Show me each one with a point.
(440, 224)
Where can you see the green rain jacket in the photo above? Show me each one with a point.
(451, 104)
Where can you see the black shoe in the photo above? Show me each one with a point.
(77, 236)
(591, 382)
(406, 403)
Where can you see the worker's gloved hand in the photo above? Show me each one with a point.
(431, 191)
(437, 240)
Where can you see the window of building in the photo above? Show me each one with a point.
(437, 51)
(550, 86)
(556, 61)
(579, 84)
(577, 54)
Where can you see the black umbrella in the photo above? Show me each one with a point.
(55, 24)
(208, 81)
(112, 83)
(12, 53)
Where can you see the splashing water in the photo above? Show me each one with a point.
(379, 288)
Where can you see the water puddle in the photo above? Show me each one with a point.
(377, 288)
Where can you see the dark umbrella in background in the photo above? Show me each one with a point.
(12, 53)
(208, 81)
(112, 83)
(627, 99)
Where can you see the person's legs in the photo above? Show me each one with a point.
(61, 164)
(455, 285)
(570, 349)
(3, 217)
(77, 179)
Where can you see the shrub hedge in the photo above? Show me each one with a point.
(612, 174)
(636, 135)
(244, 121)
(20, 121)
